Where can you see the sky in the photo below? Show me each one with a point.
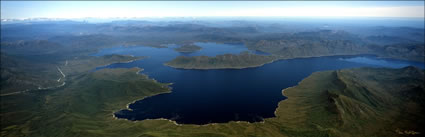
(108, 9)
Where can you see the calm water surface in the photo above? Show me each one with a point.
(216, 96)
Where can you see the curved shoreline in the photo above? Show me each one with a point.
(138, 73)
(264, 119)
(134, 101)
(198, 125)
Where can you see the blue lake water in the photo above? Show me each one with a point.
(217, 96)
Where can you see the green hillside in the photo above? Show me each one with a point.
(26, 73)
(357, 102)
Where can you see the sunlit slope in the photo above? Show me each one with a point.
(356, 102)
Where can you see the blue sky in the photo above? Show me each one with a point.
(105, 9)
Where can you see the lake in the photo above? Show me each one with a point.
(217, 96)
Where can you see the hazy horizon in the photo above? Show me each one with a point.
(158, 9)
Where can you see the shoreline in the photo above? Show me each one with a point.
(134, 101)
(200, 125)
(263, 121)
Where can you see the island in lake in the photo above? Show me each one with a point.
(188, 48)
(226, 61)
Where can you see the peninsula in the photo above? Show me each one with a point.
(188, 48)
(226, 61)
